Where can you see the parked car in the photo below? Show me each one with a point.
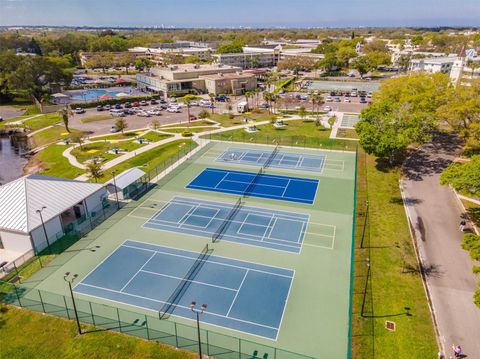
(347, 100)
(222, 98)
(127, 105)
(107, 107)
(194, 103)
(117, 112)
(154, 112)
(172, 99)
(118, 106)
(369, 94)
(143, 103)
(173, 109)
(264, 105)
(79, 110)
(153, 102)
(100, 108)
(162, 100)
(329, 99)
(136, 104)
(327, 108)
(353, 94)
(363, 99)
(113, 129)
(143, 114)
(192, 117)
(337, 99)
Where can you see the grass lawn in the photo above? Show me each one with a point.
(120, 136)
(225, 121)
(96, 118)
(53, 134)
(97, 149)
(395, 282)
(50, 162)
(347, 133)
(196, 130)
(27, 334)
(42, 121)
(185, 124)
(153, 136)
(148, 160)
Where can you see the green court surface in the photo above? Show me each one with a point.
(349, 120)
(316, 314)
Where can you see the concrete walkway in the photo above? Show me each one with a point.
(121, 158)
(435, 213)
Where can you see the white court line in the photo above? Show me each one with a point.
(269, 227)
(138, 271)
(221, 180)
(163, 302)
(186, 215)
(236, 294)
(285, 189)
(205, 260)
(190, 280)
(239, 231)
(278, 239)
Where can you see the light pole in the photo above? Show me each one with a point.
(116, 192)
(39, 211)
(70, 281)
(198, 312)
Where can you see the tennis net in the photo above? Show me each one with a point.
(223, 227)
(252, 184)
(271, 157)
(182, 287)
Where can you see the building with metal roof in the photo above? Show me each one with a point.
(35, 208)
(127, 184)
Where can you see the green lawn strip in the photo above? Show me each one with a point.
(52, 162)
(7, 123)
(97, 149)
(196, 130)
(153, 136)
(96, 118)
(186, 124)
(395, 282)
(27, 334)
(39, 122)
(226, 121)
(347, 133)
(148, 160)
(294, 133)
(53, 134)
(119, 136)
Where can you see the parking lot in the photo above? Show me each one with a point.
(135, 121)
(290, 101)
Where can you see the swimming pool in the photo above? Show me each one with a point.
(95, 94)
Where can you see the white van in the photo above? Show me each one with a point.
(117, 112)
(242, 107)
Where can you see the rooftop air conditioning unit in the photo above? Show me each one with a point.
(197, 66)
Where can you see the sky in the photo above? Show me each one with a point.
(237, 13)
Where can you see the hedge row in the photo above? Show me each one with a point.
(102, 85)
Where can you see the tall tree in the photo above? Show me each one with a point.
(94, 170)
(66, 113)
(121, 124)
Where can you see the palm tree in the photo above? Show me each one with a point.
(188, 102)
(212, 100)
(473, 66)
(94, 170)
(65, 114)
(267, 96)
(248, 94)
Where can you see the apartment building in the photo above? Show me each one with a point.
(432, 64)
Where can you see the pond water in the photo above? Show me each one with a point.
(11, 161)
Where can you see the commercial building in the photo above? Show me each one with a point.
(190, 78)
(248, 60)
(36, 210)
(432, 64)
(235, 84)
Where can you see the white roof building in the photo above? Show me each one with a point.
(29, 200)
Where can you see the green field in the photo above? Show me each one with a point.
(226, 121)
(320, 296)
(53, 134)
(191, 129)
(52, 163)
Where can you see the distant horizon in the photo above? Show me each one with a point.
(264, 14)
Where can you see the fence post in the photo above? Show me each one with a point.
(66, 307)
(239, 348)
(91, 312)
(41, 300)
(208, 347)
(119, 322)
(176, 335)
(18, 296)
(146, 326)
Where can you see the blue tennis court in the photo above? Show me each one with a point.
(259, 227)
(287, 160)
(242, 296)
(292, 189)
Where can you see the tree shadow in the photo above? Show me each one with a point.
(408, 201)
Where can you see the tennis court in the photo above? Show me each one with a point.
(144, 275)
(261, 227)
(343, 86)
(285, 188)
(349, 121)
(286, 160)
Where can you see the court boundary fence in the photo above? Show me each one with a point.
(141, 325)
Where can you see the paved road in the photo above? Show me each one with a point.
(436, 213)
(7, 112)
